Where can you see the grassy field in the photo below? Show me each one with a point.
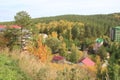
(9, 69)
(25, 66)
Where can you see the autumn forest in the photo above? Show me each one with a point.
(65, 47)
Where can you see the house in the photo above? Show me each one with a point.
(98, 44)
(58, 59)
(2, 27)
(115, 34)
(87, 62)
(15, 27)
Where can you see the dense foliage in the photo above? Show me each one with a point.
(70, 36)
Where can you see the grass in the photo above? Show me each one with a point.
(11, 64)
(9, 69)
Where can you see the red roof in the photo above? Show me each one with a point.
(1, 26)
(12, 26)
(57, 58)
(88, 62)
(15, 26)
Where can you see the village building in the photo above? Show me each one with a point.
(87, 62)
(3, 27)
(115, 34)
(58, 59)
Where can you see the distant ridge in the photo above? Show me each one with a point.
(95, 19)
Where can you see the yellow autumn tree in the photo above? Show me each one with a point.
(54, 34)
(39, 49)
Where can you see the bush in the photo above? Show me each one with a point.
(12, 38)
(114, 72)
(102, 53)
(53, 43)
(74, 56)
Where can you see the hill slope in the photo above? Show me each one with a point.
(9, 69)
(101, 19)
(108, 19)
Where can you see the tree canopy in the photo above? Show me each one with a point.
(22, 19)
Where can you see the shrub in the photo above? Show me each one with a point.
(53, 43)
(74, 56)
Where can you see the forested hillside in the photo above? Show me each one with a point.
(94, 25)
(102, 19)
(94, 20)
(66, 39)
(102, 22)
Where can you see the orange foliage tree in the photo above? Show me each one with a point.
(39, 49)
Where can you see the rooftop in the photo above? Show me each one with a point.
(88, 62)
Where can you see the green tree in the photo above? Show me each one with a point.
(94, 32)
(114, 51)
(12, 37)
(63, 49)
(53, 43)
(74, 56)
(22, 19)
(102, 53)
(75, 32)
(114, 71)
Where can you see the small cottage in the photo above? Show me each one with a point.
(87, 62)
(58, 59)
(2, 27)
